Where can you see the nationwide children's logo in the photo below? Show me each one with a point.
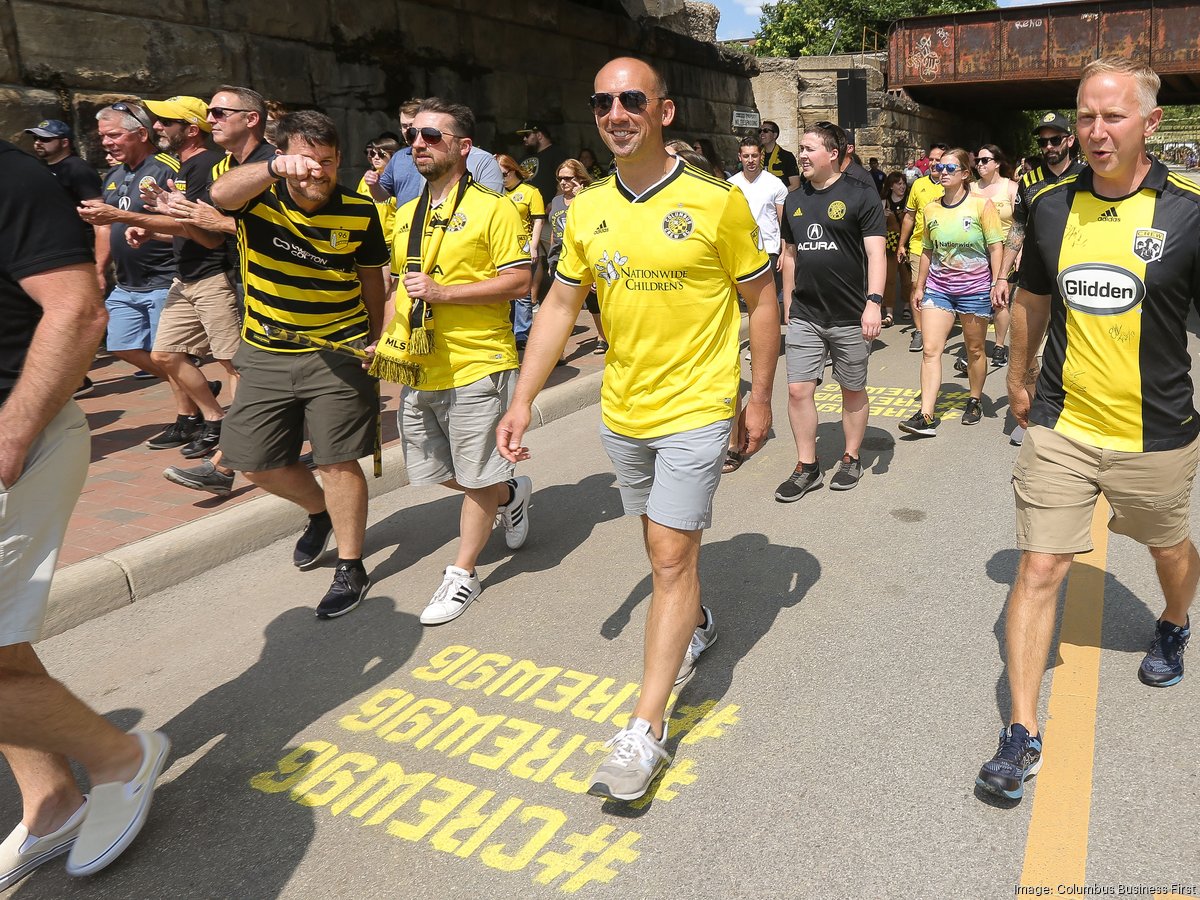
(606, 268)
(837, 210)
(677, 225)
(1148, 244)
(339, 238)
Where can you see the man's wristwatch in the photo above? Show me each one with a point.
(876, 299)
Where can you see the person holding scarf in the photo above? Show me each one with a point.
(459, 254)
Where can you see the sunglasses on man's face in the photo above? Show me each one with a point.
(946, 167)
(631, 101)
(1051, 141)
(428, 135)
(224, 112)
(767, 131)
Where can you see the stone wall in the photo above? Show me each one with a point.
(796, 92)
(511, 62)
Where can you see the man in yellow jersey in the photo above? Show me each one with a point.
(924, 191)
(313, 254)
(668, 248)
(1111, 267)
(459, 255)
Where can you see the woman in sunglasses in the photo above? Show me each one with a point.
(528, 200)
(572, 177)
(379, 153)
(960, 263)
(994, 183)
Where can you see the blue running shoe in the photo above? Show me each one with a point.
(1163, 663)
(1016, 761)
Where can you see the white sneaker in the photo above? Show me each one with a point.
(459, 587)
(515, 516)
(636, 758)
(703, 638)
(23, 852)
(117, 812)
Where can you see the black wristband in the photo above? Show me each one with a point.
(876, 298)
(271, 169)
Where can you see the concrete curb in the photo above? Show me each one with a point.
(99, 585)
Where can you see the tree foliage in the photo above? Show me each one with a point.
(808, 27)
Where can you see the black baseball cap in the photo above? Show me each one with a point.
(50, 128)
(1053, 120)
(531, 127)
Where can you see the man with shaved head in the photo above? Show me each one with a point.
(668, 248)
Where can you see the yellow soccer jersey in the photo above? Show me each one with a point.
(483, 237)
(386, 210)
(924, 191)
(665, 265)
(528, 201)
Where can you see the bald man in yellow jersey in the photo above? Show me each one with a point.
(668, 248)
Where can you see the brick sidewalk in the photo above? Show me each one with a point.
(126, 498)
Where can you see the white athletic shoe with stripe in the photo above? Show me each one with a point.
(459, 587)
(515, 516)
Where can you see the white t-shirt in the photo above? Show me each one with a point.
(765, 195)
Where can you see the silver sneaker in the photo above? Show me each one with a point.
(703, 638)
(635, 759)
(515, 516)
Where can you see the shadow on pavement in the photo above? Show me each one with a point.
(210, 834)
(1127, 626)
(878, 447)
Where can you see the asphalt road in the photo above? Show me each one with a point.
(827, 746)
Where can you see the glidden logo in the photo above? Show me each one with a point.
(1100, 289)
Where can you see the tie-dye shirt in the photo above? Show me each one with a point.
(958, 237)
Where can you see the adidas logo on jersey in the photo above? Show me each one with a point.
(1109, 215)
(602, 228)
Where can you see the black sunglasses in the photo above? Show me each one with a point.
(165, 122)
(375, 151)
(1051, 141)
(767, 131)
(131, 108)
(980, 160)
(428, 135)
(224, 112)
(631, 101)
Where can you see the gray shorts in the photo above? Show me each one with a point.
(33, 519)
(808, 345)
(670, 479)
(452, 433)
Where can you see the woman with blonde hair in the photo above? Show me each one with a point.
(960, 263)
(529, 203)
(572, 177)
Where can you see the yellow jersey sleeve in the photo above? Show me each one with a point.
(737, 242)
(537, 206)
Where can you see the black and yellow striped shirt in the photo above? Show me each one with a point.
(1122, 275)
(301, 269)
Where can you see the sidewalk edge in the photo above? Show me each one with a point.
(98, 585)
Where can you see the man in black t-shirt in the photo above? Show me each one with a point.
(53, 318)
(779, 162)
(834, 268)
(54, 144)
(544, 161)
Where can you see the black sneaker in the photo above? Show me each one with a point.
(182, 431)
(973, 412)
(84, 389)
(920, 425)
(1163, 663)
(314, 542)
(960, 365)
(1000, 356)
(1017, 759)
(350, 583)
(204, 477)
(848, 473)
(798, 484)
(205, 443)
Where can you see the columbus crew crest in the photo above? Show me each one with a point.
(458, 222)
(677, 225)
(837, 210)
(1148, 244)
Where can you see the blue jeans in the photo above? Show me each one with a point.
(522, 318)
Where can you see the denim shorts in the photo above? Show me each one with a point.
(133, 318)
(965, 304)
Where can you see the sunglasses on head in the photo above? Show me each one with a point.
(1051, 141)
(224, 112)
(131, 108)
(428, 135)
(631, 101)
(946, 167)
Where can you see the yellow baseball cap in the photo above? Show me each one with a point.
(187, 109)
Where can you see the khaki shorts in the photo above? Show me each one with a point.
(280, 395)
(1056, 481)
(914, 266)
(200, 315)
(451, 433)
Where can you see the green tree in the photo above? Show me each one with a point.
(808, 27)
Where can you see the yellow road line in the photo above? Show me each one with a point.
(1057, 845)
